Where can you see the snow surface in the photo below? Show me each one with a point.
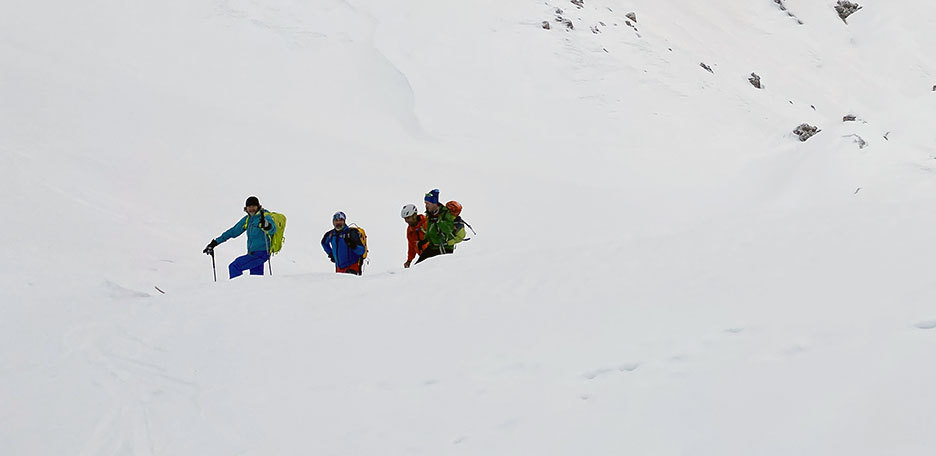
(661, 267)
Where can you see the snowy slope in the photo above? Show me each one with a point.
(661, 266)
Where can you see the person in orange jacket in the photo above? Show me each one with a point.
(415, 232)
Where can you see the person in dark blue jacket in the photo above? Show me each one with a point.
(343, 246)
(260, 230)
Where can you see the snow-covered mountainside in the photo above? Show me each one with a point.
(661, 266)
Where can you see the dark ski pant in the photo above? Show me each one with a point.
(434, 250)
(253, 261)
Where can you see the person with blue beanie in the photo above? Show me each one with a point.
(440, 228)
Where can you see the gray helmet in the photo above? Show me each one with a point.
(408, 210)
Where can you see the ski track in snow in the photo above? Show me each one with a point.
(133, 386)
(664, 269)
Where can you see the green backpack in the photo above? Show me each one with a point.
(276, 242)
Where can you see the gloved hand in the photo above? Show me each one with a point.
(407, 264)
(331, 257)
(350, 242)
(210, 249)
(264, 223)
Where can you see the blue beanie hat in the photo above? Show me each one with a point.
(433, 196)
(339, 216)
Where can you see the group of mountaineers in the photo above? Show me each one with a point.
(434, 232)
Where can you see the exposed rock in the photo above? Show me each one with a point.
(632, 16)
(579, 3)
(844, 8)
(934, 88)
(562, 20)
(707, 68)
(789, 13)
(546, 25)
(849, 118)
(858, 140)
(595, 30)
(805, 131)
(755, 80)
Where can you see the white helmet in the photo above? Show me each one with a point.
(408, 210)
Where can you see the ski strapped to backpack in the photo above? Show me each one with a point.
(276, 241)
(455, 208)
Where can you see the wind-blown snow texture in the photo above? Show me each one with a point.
(661, 267)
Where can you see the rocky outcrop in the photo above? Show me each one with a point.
(845, 8)
(755, 81)
(805, 131)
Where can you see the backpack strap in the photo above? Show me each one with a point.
(354, 235)
(262, 213)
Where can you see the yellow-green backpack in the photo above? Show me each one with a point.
(276, 242)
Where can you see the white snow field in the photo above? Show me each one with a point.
(660, 267)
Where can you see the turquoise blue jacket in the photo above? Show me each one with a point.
(257, 240)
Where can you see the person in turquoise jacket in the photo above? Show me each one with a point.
(260, 230)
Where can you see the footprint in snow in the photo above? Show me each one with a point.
(929, 324)
(598, 372)
(626, 367)
(796, 349)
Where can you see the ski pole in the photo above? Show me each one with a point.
(213, 269)
(266, 238)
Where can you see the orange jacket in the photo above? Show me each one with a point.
(414, 236)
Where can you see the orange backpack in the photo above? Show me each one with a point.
(454, 207)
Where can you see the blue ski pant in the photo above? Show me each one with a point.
(254, 261)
